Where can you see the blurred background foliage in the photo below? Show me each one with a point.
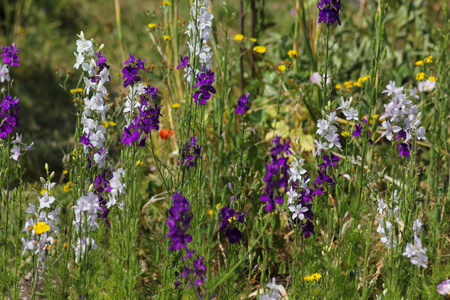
(45, 32)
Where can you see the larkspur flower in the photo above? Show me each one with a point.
(243, 104)
(10, 55)
(178, 222)
(329, 11)
(204, 86)
(9, 110)
(276, 174)
(190, 153)
(228, 216)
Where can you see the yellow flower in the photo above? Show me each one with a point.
(432, 78)
(67, 186)
(253, 40)
(167, 38)
(165, 3)
(259, 49)
(367, 77)
(350, 82)
(315, 276)
(41, 227)
(238, 37)
(345, 133)
(357, 84)
(66, 245)
(175, 105)
(43, 191)
(292, 53)
(282, 67)
(139, 163)
(420, 76)
(232, 218)
(107, 123)
(210, 212)
(338, 86)
(78, 90)
(375, 116)
(419, 63)
(65, 172)
(151, 25)
(428, 59)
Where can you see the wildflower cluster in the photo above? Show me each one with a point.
(10, 55)
(351, 114)
(191, 152)
(329, 11)
(85, 220)
(328, 137)
(315, 276)
(276, 173)
(178, 222)
(402, 119)
(204, 85)
(199, 32)
(42, 228)
(8, 115)
(300, 198)
(147, 119)
(243, 104)
(384, 225)
(416, 252)
(227, 216)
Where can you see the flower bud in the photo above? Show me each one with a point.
(43, 180)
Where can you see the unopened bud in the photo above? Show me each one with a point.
(43, 180)
(52, 175)
(46, 167)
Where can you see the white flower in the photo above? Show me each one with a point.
(31, 209)
(351, 114)
(426, 86)
(15, 152)
(391, 89)
(419, 260)
(389, 130)
(322, 127)
(45, 201)
(27, 245)
(345, 104)
(292, 195)
(333, 140)
(80, 60)
(320, 146)
(4, 73)
(332, 118)
(298, 211)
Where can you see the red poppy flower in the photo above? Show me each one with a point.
(166, 133)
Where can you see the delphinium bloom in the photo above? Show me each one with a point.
(204, 84)
(243, 104)
(328, 136)
(43, 226)
(145, 121)
(199, 32)
(401, 120)
(227, 217)
(443, 288)
(10, 55)
(178, 222)
(276, 174)
(8, 115)
(130, 71)
(273, 293)
(191, 152)
(329, 11)
(300, 198)
(385, 227)
(416, 252)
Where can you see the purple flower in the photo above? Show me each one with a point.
(357, 131)
(329, 11)
(131, 69)
(404, 149)
(443, 288)
(184, 62)
(204, 85)
(191, 151)
(233, 235)
(10, 55)
(243, 104)
(8, 116)
(179, 221)
(276, 174)
(329, 161)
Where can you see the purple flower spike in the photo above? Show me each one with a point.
(357, 131)
(9, 109)
(404, 149)
(329, 11)
(243, 104)
(178, 222)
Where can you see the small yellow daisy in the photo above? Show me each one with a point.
(151, 25)
(292, 53)
(165, 3)
(419, 63)
(428, 59)
(238, 37)
(253, 40)
(420, 76)
(78, 90)
(41, 227)
(260, 49)
(338, 86)
(175, 105)
(432, 78)
(345, 133)
(282, 67)
(167, 38)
